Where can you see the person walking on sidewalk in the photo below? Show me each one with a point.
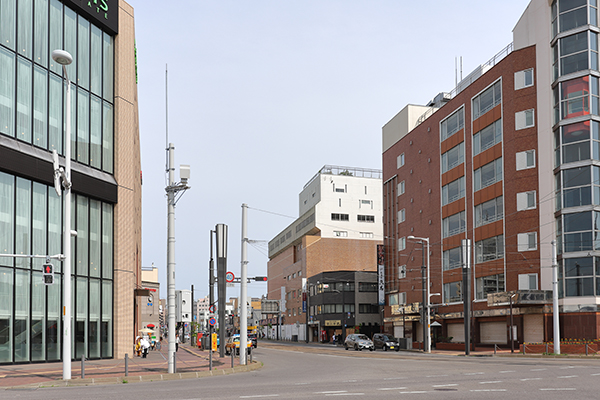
(145, 346)
(177, 343)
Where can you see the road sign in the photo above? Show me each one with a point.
(212, 321)
(213, 340)
(229, 277)
(48, 274)
(211, 308)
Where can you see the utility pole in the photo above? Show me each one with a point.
(193, 326)
(555, 315)
(221, 230)
(244, 288)
(466, 259)
(211, 298)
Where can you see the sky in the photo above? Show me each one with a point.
(263, 93)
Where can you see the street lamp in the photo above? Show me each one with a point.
(512, 339)
(427, 340)
(64, 58)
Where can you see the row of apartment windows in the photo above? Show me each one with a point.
(570, 14)
(346, 217)
(362, 235)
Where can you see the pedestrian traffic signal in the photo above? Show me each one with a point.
(260, 278)
(48, 274)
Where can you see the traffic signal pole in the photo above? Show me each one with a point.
(244, 288)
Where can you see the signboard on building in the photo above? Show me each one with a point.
(380, 275)
(103, 13)
(333, 322)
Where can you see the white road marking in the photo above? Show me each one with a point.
(505, 372)
(474, 373)
(400, 377)
(396, 388)
(435, 376)
(332, 392)
(259, 395)
(569, 367)
(450, 384)
(483, 383)
(567, 377)
(595, 374)
(303, 383)
(539, 369)
(558, 389)
(414, 392)
(345, 394)
(488, 390)
(351, 380)
(531, 379)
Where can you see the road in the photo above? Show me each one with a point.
(304, 372)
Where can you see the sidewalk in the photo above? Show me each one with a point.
(190, 363)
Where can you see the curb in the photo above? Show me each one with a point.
(138, 378)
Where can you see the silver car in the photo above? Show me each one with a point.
(358, 341)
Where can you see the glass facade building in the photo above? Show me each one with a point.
(32, 126)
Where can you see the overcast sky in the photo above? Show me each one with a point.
(263, 93)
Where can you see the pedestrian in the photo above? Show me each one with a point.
(138, 346)
(145, 346)
(177, 343)
(333, 338)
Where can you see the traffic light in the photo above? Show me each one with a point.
(48, 274)
(260, 278)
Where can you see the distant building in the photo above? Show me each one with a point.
(334, 239)
(148, 305)
(201, 312)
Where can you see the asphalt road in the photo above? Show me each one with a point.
(301, 372)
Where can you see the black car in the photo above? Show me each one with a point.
(385, 342)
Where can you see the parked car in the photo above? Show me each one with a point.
(385, 342)
(233, 344)
(252, 337)
(358, 341)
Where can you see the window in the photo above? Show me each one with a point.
(526, 159)
(365, 218)
(523, 79)
(488, 174)
(367, 203)
(368, 309)
(453, 191)
(573, 53)
(400, 160)
(524, 119)
(453, 292)
(489, 211)
(452, 258)
(402, 271)
(393, 299)
(580, 231)
(488, 284)
(367, 286)
(487, 137)
(452, 124)
(401, 243)
(340, 217)
(528, 281)
(570, 15)
(366, 235)
(574, 97)
(401, 188)
(578, 275)
(489, 249)
(453, 157)
(401, 215)
(578, 185)
(340, 233)
(454, 224)
(526, 201)
(487, 100)
(527, 241)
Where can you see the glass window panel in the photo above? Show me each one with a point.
(6, 313)
(55, 113)
(81, 326)
(96, 61)
(582, 266)
(40, 42)
(25, 31)
(577, 222)
(7, 92)
(107, 241)
(573, 63)
(576, 132)
(23, 221)
(83, 126)
(576, 152)
(40, 106)
(83, 54)
(24, 100)
(8, 17)
(574, 43)
(577, 197)
(573, 19)
(566, 5)
(579, 287)
(56, 23)
(82, 235)
(73, 102)
(53, 321)
(452, 258)
(54, 226)
(38, 308)
(38, 242)
(96, 132)
(21, 324)
(7, 199)
(107, 138)
(108, 68)
(94, 324)
(580, 241)
(95, 237)
(576, 177)
(70, 37)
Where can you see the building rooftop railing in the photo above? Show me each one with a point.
(347, 171)
(469, 79)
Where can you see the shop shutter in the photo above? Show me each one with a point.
(533, 328)
(493, 332)
(457, 332)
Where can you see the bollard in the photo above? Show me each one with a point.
(126, 364)
(250, 356)
(82, 366)
(174, 362)
(586, 349)
(546, 348)
(232, 357)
